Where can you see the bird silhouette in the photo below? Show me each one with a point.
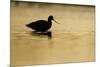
(41, 25)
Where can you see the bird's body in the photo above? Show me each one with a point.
(41, 25)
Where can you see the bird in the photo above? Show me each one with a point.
(41, 25)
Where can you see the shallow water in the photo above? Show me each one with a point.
(71, 41)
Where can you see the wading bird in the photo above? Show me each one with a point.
(41, 25)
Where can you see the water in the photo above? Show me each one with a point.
(70, 41)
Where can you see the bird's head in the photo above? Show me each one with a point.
(52, 18)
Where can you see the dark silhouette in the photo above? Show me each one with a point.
(48, 34)
(41, 25)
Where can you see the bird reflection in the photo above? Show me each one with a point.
(47, 33)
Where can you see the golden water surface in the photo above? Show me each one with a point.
(71, 41)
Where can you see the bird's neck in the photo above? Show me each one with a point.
(49, 20)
